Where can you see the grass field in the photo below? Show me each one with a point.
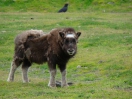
(74, 5)
(102, 68)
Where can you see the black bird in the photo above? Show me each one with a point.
(64, 9)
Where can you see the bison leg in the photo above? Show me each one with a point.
(24, 74)
(52, 68)
(52, 78)
(63, 74)
(26, 64)
(64, 82)
(16, 62)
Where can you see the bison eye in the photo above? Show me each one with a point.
(67, 41)
(73, 40)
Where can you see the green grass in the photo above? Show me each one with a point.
(104, 54)
(74, 5)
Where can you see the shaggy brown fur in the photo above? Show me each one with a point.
(55, 48)
(20, 41)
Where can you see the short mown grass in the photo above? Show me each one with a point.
(100, 70)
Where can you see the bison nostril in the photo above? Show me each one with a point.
(70, 50)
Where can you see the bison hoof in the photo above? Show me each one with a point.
(52, 85)
(10, 80)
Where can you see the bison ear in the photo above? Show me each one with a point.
(61, 34)
(78, 34)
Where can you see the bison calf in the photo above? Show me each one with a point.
(55, 48)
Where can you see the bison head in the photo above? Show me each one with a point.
(69, 42)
